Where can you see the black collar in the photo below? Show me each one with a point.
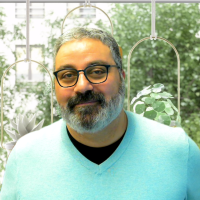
(94, 154)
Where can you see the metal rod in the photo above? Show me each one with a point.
(27, 30)
(2, 79)
(153, 18)
(178, 69)
(83, 7)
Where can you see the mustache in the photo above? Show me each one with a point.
(87, 96)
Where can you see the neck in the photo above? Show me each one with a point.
(105, 137)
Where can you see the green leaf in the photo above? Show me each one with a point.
(140, 108)
(154, 95)
(165, 95)
(164, 119)
(159, 106)
(158, 87)
(178, 119)
(149, 100)
(143, 99)
(149, 108)
(133, 100)
(172, 105)
(145, 91)
(169, 111)
(159, 114)
(150, 114)
(167, 105)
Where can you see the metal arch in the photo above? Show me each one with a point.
(2, 94)
(111, 24)
(128, 71)
(84, 7)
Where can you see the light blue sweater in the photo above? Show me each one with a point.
(153, 162)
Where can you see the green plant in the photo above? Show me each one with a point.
(192, 126)
(23, 126)
(152, 102)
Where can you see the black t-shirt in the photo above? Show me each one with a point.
(94, 154)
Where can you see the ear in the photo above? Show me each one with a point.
(120, 51)
(123, 73)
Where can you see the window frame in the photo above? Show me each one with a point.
(32, 11)
(100, 1)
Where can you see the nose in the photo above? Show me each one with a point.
(82, 84)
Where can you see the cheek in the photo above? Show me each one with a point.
(62, 95)
(110, 88)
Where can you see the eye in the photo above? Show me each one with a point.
(68, 74)
(97, 70)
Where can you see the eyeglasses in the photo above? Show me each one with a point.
(94, 73)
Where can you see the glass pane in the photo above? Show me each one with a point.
(37, 10)
(29, 71)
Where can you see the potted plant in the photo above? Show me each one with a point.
(23, 126)
(153, 103)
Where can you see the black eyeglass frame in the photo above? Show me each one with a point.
(84, 71)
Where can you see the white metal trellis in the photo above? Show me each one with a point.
(89, 5)
(153, 36)
(128, 71)
(2, 79)
(83, 6)
(26, 60)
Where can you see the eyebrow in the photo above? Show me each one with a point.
(69, 66)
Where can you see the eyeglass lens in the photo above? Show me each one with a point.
(95, 74)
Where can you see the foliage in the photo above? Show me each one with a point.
(152, 62)
(153, 103)
(155, 61)
(40, 90)
(192, 127)
(2, 31)
(7, 101)
(8, 92)
(11, 94)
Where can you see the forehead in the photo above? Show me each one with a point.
(84, 51)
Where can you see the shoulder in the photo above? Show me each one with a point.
(163, 141)
(155, 132)
(143, 123)
(40, 137)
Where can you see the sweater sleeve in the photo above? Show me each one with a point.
(193, 185)
(9, 185)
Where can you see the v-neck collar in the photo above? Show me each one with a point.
(93, 167)
(96, 155)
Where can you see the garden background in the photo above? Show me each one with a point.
(152, 61)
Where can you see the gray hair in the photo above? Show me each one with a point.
(80, 33)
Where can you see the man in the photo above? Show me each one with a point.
(98, 150)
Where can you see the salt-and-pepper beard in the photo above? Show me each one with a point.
(93, 118)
